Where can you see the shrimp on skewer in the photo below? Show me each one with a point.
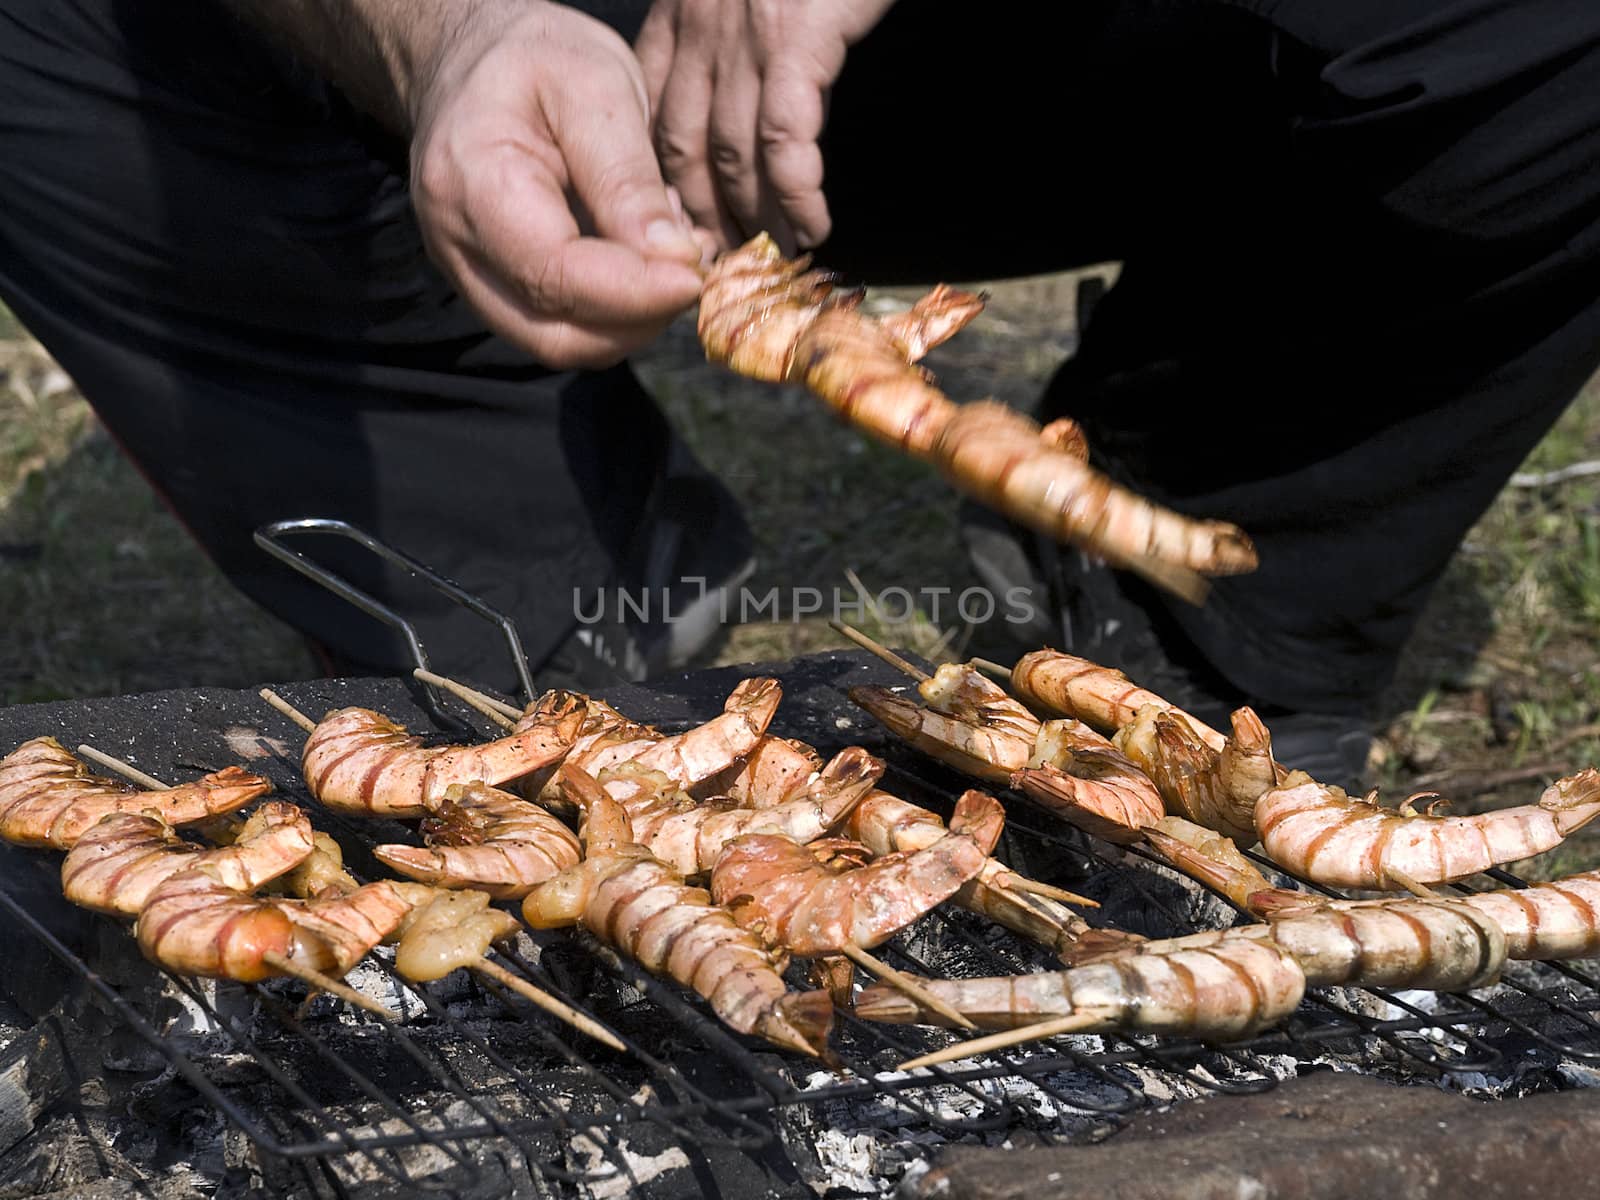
(49, 799)
(972, 725)
(359, 761)
(991, 754)
(968, 722)
(690, 836)
(768, 775)
(771, 319)
(1557, 919)
(1320, 833)
(698, 754)
(886, 824)
(115, 866)
(625, 896)
(1546, 921)
(1442, 945)
(1214, 788)
(607, 739)
(1221, 992)
(1075, 687)
(810, 907)
(999, 456)
(1083, 778)
(449, 929)
(481, 837)
(194, 924)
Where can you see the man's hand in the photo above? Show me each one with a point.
(533, 174)
(738, 89)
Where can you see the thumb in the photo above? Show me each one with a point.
(612, 168)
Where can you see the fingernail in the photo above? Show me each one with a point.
(671, 238)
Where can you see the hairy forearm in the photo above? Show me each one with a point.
(381, 53)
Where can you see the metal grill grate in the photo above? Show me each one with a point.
(698, 1084)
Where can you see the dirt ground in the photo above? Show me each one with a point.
(1498, 694)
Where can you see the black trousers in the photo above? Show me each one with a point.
(1362, 260)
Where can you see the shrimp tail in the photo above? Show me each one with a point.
(1096, 944)
(980, 817)
(935, 318)
(1575, 801)
(1209, 858)
(605, 822)
(1099, 807)
(801, 1021)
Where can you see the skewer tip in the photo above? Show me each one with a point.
(559, 1009)
(126, 770)
(1000, 1041)
(496, 710)
(906, 984)
(878, 648)
(326, 983)
(287, 709)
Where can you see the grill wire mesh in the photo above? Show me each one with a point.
(461, 1073)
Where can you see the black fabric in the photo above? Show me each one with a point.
(1361, 279)
(1362, 271)
(222, 253)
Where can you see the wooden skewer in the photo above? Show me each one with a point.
(906, 984)
(326, 983)
(223, 827)
(878, 648)
(487, 705)
(556, 1008)
(999, 1041)
(1011, 881)
(287, 709)
(993, 668)
(126, 770)
(1419, 890)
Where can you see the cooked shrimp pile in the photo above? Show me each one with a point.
(714, 856)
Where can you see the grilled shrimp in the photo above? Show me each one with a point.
(771, 319)
(625, 896)
(49, 799)
(322, 872)
(1075, 687)
(481, 837)
(335, 932)
(1084, 779)
(194, 924)
(1229, 990)
(1553, 920)
(768, 775)
(998, 455)
(359, 761)
(1217, 789)
(974, 726)
(809, 907)
(690, 836)
(605, 738)
(1401, 942)
(448, 930)
(989, 754)
(1319, 833)
(886, 824)
(698, 754)
(115, 866)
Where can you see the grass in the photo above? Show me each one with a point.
(104, 594)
